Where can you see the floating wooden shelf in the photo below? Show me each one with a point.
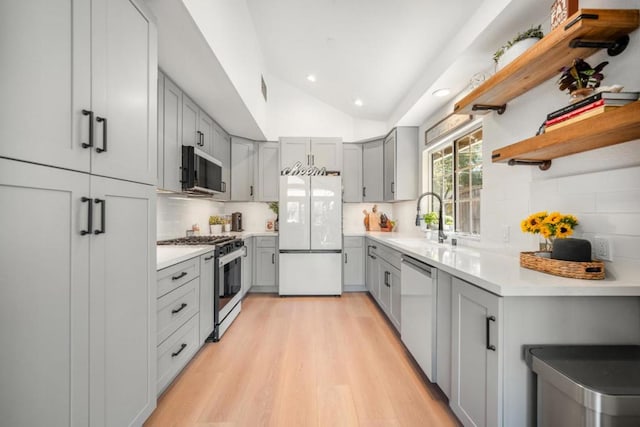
(610, 128)
(545, 59)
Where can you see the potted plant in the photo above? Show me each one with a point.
(580, 79)
(215, 224)
(275, 209)
(431, 220)
(516, 46)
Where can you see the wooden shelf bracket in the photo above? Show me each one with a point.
(543, 165)
(614, 48)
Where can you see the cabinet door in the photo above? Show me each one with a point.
(352, 172)
(207, 133)
(294, 150)
(160, 132)
(247, 266)
(353, 265)
(206, 295)
(384, 274)
(390, 167)
(372, 278)
(190, 123)
(44, 316)
(122, 303)
(268, 171)
(242, 167)
(475, 379)
(265, 267)
(222, 152)
(327, 153)
(46, 81)
(124, 69)
(172, 136)
(395, 308)
(372, 171)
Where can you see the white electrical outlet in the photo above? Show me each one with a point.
(602, 249)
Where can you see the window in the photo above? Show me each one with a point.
(456, 175)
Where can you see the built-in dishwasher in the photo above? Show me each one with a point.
(418, 296)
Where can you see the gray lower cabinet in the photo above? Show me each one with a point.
(383, 279)
(477, 350)
(266, 253)
(372, 281)
(206, 294)
(491, 384)
(247, 266)
(353, 271)
(179, 334)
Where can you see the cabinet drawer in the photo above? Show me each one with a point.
(176, 307)
(392, 256)
(353, 242)
(177, 275)
(176, 351)
(266, 242)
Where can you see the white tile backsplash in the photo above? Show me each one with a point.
(254, 214)
(176, 213)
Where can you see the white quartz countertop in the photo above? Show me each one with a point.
(168, 255)
(499, 273)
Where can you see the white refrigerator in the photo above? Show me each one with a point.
(310, 235)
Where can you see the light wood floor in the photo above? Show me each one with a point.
(303, 361)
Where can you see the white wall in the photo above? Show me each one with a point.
(176, 213)
(254, 214)
(601, 187)
(292, 112)
(228, 28)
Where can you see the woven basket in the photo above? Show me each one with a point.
(593, 270)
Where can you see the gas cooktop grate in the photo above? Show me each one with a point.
(197, 240)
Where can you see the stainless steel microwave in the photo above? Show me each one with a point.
(201, 173)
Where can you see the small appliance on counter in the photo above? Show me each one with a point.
(236, 221)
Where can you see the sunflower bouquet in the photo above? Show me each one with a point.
(549, 225)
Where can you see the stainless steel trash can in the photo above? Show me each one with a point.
(586, 386)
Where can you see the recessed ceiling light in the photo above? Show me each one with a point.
(442, 92)
(311, 78)
(358, 102)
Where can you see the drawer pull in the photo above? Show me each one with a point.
(208, 258)
(489, 345)
(179, 276)
(178, 310)
(182, 347)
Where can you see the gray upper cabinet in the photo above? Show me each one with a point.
(352, 173)
(372, 168)
(243, 165)
(170, 135)
(320, 152)
(99, 55)
(268, 171)
(222, 151)
(401, 148)
(207, 132)
(327, 153)
(190, 123)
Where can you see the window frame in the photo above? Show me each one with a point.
(427, 172)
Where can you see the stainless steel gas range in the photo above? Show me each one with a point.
(227, 283)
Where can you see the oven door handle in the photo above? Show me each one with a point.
(230, 257)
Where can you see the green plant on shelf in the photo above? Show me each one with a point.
(216, 220)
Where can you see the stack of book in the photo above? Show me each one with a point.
(592, 106)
